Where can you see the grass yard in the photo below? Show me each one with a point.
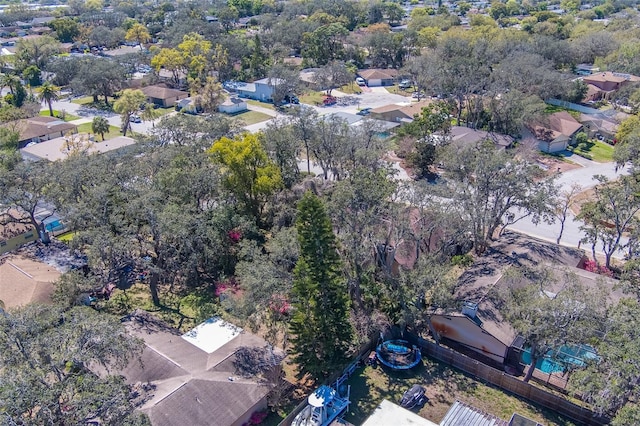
(114, 131)
(66, 237)
(58, 114)
(311, 98)
(596, 150)
(351, 89)
(88, 101)
(253, 117)
(550, 109)
(398, 91)
(369, 386)
(260, 104)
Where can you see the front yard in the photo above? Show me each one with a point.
(594, 150)
(114, 131)
(63, 115)
(443, 384)
(253, 117)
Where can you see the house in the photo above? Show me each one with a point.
(375, 77)
(556, 133)
(162, 96)
(24, 281)
(461, 135)
(37, 129)
(608, 82)
(233, 106)
(59, 148)
(193, 374)
(480, 328)
(399, 113)
(14, 234)
(599, 126)
(260, 90)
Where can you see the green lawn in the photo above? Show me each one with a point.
(88, 101)
(550, 109)
(114, 131)
(369, 386)
(56, 113)
(398, 91)
(595, 150)
(66, 237)
(260, 104)
(351, 89)
(311, 98)
(253, 117)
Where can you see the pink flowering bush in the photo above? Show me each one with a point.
(224, 286)
(592, 266)
(234, 235)
(256, 418)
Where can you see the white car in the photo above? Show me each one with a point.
(360, 81)
(135, 119)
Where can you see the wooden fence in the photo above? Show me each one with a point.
(511, 384)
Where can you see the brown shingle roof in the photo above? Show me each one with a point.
(39, 127)
(160, 92)
(375, 74)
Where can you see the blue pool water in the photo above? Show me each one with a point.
(565, 356)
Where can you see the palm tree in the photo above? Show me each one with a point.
(48, 94)
(100, 126)
(10, 81)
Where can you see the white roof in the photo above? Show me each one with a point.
(388, 413)
(212, 334)
(53, 149)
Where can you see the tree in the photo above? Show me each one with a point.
(128, 103)
(493, 188)
(627, 149)
(171, 60)
(549, 309)
(283, 147)
(149, 112)
(35, 51)
(613, 213)
(333, 75)
(46, 359)
(324, 44)
(319, 325)
(66, 29)
(303, 121)
(250, 174)
(48, 94)
(566, 201)
(98, 77)
(210, 96)
(138, 33)
(611, 380)
(100, 126)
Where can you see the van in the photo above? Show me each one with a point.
(405, 84)
(360, 81)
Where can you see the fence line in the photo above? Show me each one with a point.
(511, 384)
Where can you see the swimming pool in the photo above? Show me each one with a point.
(561, 359)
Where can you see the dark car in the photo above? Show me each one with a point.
(414, 396)
(364, 111)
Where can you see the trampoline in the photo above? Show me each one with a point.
(398, 354)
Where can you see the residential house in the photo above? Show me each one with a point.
(42, 21)
(24, 281)
(600, 126)
(605, 83)
(480, 328)
(163, 96)
(60, 148)
(461, 136)
(37, 129)
(399, 113)
(375, 77)
(193, 374)
(260, 90)
(556, 132)
(14, 234)
(233, 106)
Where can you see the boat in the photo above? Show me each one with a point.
(398, 354)
(324, 406)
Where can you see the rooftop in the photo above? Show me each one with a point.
(162, 92)
(54, 149)
(378, 74)
(461, 414)
(24, 281)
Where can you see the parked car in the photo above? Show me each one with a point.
(418, 95)
(414, 396)
(405, 84)
(360, 81)
(135, 119)
(364, 111)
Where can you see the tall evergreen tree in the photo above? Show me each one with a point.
(320, 326)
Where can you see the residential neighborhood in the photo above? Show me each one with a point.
(238, 213)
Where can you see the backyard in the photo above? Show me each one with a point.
(443, 384)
